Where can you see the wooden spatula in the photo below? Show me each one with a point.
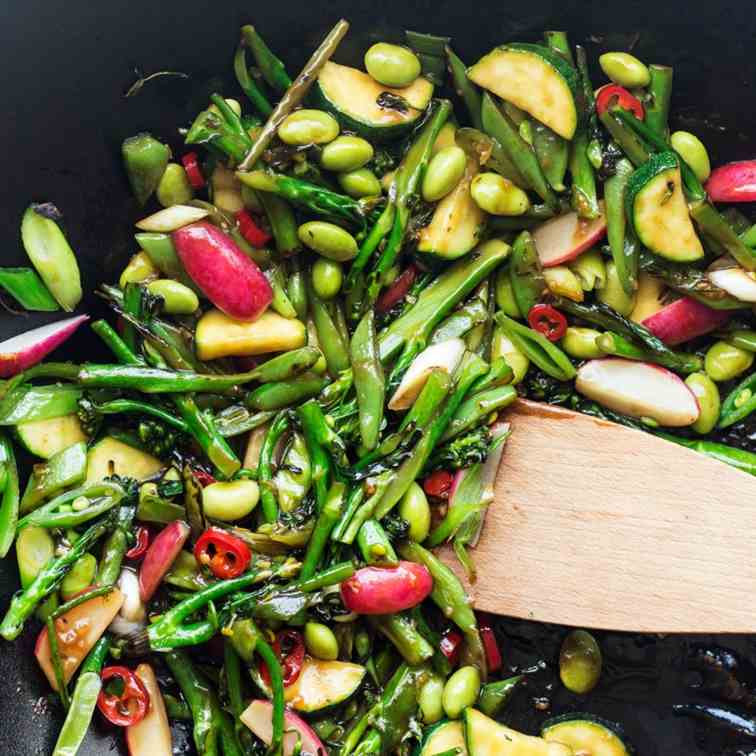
(597, 525)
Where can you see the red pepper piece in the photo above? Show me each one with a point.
(397, 291)
(610, 92)
(203, 478)
(193, 172)
(128, 708)
(139, 549)
(438, 484)
(451, 645)
(548, 321)
(251, 231)
(290, 649)
(487, 635)
(227, 556)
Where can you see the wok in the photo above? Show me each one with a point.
(65, 68)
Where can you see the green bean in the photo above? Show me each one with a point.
(326, 522)
(232, 673)
(628, 141)
(316, 435)
(9, 503)
(369, 380)
(28, 289)
(249, 85)
(743, 339)
(740, 459)
(614, 343)
(114, 548)
(659, 94)
(271, 68)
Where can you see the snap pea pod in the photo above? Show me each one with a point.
(711, 222)
(66, 468)
(525, 274)
(614, 343)
(549, 357)
(211, 129)
(743, 339)
(659, 95)
(491, 154)
(477, 409)
(626, 138)
(275, 396)
(553, 153)
(26, 404)
(114, 548)
(334, 348)
(622, 242)
(351, 506)
(583, 197)
(9, 503)
(375, 546)
(461, 321)
(369, 380)
(326, 522)
(28, 289)
(740, 402)
(237, 419)
(401, 631)
(248, 85)
(271, 67)
(265, 469)
(47, 516)
(730, 455)
(500, 127)
(464, 88)
(314, 425)
(283, 223)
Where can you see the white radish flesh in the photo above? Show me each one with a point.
(258, 716)
(736, 282)
(171, 219)
(133, 613)
(638, 389)
(565, 237)
(152, 736)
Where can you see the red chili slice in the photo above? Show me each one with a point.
(397, 291)
(227, 556)
(139, 549)
(251, 231)
(193, 172)
(451, 645)
(608, 94)
(203, 478)
(491, 646)
(133, 703)
(438, 484)
(548, 321)
(290, 649)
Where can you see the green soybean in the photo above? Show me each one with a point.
(461, 691)
(580, 662)
(327, 277)
(624, 69)
(613, 293)
(321, 641)
(308, 127)
(392, 65)
(707, 395)
(177, 298)
(580, 343)
(360, 183)
(230, 501)
(498, 195)
(444, 171)
(346, 153)
(692, 150)
(174, 187)
(328, 239)
(430, 700)
(140, 268)
(414, 508)
(725, 361)
(80, 576)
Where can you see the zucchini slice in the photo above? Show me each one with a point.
(353, 96)
(457, 221)
(486, 737)
(656, 206)
(536, 80)
(43, 438)
(586, 735)
(443, 737)
(110, 456)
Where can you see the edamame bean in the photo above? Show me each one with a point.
(178, 299)
(725, 361)
(392, 65)
(140, 268)
(444, 171)
(321, 642)
(326, 278)
(174, 187)
(498, 196)
(430, 699)
(503, 347)
(461, 691)
(80, 576)
(580, 343)
(580, 662)
(613, 294)
(360, 183)
(624, 69)
(328, 239)
(505, 299)
(692, 150)
(561, 281)
(230, 501)
(308, 127)
(346, 153)
(707, 395)
(415, 509)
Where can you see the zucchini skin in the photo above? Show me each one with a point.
(658, 163)
(614, 728)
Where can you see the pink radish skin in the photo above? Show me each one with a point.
(385, 590)
(733, 182)
(21, 352)
(160, 556)
(565, 237)
(638, 389)
(683, 320)
(152, 736)
(227, 277)
(258, 716)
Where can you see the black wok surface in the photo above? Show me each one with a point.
(65, 67)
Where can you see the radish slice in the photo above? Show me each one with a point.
(29, 348)
(133, 614)
(160, 556)
(445, 355)
(736, 282)
(386, 590)
(683, 320)
(152, 736)
(258, 716)
(638, 389)
(734, 182)
(172, 218)
(565, 237)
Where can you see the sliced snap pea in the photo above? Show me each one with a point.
(614, 294)
(81, 576)
(140, 268)
(725, 361)
(707, 395)
(230, 501)
(505, 298)
(145, 160)
(174, 187)
(624, 69)
(321, 641)
(329, 240)
(561, 281)
(498, 195)
(444, 172)
(392, 65)
(346, 153)
(518, 361)
(308, 127)
(28, 289)
(590, 269)
(359, 183)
